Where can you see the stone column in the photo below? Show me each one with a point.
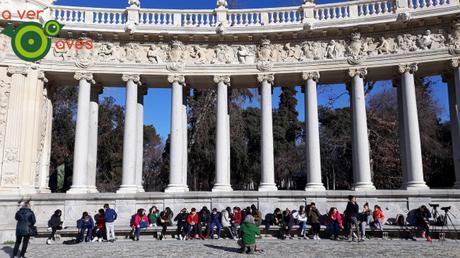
(361, 166)
(454, 100)
(11, 95)
(402, 145)
(185, 138)
(128, 184)
(93, 133)
(142, 91)
(222, 133)
(312, 147)
(80, 163)
(267, 160)
(412, 146)
(46, 152)
(176, 146)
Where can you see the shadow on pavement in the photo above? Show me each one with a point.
(224, 248)
(8, 250)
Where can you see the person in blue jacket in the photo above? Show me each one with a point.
(214, 221)
(110, 217)
(85, 224)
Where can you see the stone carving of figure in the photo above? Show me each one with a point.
(265, 51)
(290, 53)
(176, 53)
(332, 50)
(454, 39)
(370, 47)
(307, 49)
(243, 54)
(355, 48)
(383, 47)
(223, 55)
(134, 3)
(106, 52)
(318, 50)
(426, 40)
(222, 4)
(198, 54)
(132, 53)
(155, 55)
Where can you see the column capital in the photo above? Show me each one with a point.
(411, 68)
(314, 75)
(17, 70)
(222, 78)
(361, 72)
(42, 77)
(455, 63)
(176, 78)
(136, 78)
(84, 76)
(269, 77)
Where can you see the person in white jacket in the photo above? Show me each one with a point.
(301, 217)
(225, 220)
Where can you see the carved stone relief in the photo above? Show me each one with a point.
(175, 55)
(4, 99)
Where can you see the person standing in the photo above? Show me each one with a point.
(24, 228)
(110, 217)
(351, 217)
(313, 218)
(54, 224)
(214, 221)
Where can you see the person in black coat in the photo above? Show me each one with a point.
(24, 228)
(351, 216)
(54, 224)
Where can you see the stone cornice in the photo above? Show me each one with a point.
(411, 68)
(84, 76)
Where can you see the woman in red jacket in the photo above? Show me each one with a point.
(139, 221)
(99, 232)
(379, 218)
(334, 223)
(236, 221)
(192, 221)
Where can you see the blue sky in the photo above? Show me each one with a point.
(158, 101)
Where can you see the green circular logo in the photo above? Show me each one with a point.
(30, 42)
(52, 28)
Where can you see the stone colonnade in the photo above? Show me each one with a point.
(25, 90)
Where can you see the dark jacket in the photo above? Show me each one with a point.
(26, 219)
(110, 215)
(86, 222)
(352, 210)
(55, 221)
(204, 216)
(313, 216)
(181, 218)
(214, 218)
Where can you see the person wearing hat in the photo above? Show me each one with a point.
(248, 230)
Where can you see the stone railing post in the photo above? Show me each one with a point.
(132, 14)
(353, 10)
(221, 13)
(307, 8)
(89, 17)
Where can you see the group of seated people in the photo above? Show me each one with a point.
(213, 223)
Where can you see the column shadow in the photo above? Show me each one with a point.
(224, 248)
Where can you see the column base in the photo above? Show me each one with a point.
(127, 189)
(364, 186)
(140, 189)
(416, 185)
(268, 188)
(222, 188)
(92, 189)
(456, 185)
(78, 189)
(176, 188)
(315, 187)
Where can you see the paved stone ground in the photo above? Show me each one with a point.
(228, 248)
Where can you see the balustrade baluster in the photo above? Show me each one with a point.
(366, 9)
